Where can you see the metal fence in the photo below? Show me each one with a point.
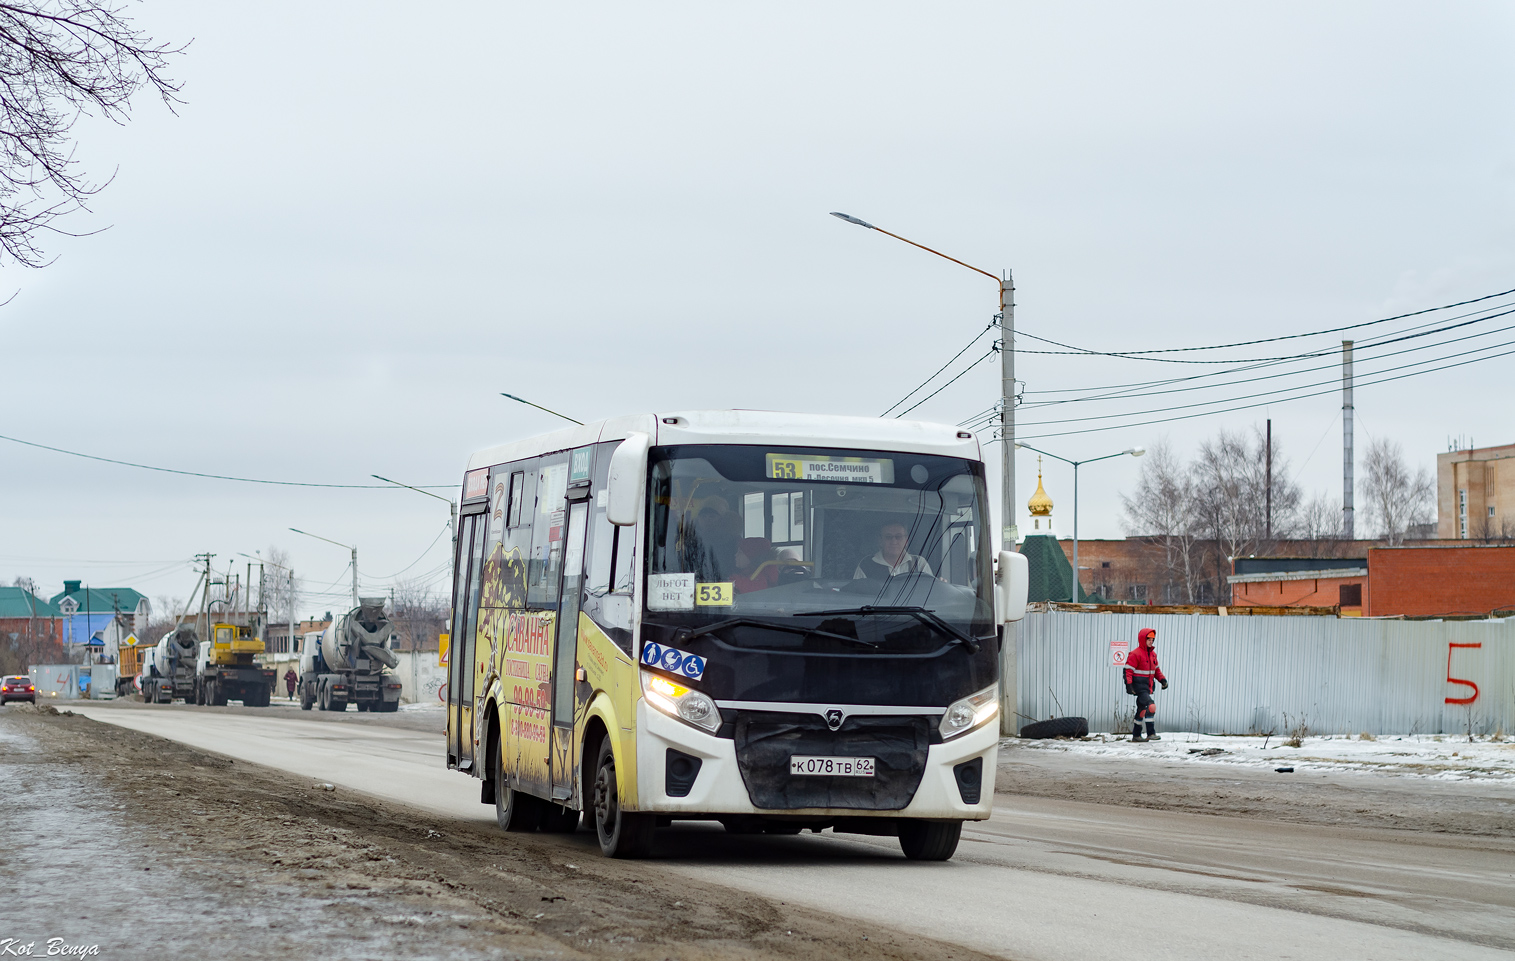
(1241, 675)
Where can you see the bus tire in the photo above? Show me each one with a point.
(1057, 727)
(622, 834)
(513, 810)
(929, 840)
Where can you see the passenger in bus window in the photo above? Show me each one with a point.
(757, 565)
(892, 558)
(710, 543)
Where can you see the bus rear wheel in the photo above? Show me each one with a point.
(930, 840)
(622, 834)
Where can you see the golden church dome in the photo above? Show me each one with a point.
(1040, 504)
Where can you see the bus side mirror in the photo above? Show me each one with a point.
(1011, 583)
(628, 468)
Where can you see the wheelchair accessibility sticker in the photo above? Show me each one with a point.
(673, 661)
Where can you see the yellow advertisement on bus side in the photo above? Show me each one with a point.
(525, 672)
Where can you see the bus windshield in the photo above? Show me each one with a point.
(831, 550)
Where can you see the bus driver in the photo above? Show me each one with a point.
(892, 559)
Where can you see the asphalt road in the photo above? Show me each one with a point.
(1042, 879)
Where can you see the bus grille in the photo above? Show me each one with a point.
(766, 741)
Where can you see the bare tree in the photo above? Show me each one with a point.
(1490, 530)
(1231, 496)
(419, 614)
(163, 617)
(60, 60)
(1163, 508)
(1318, 527)
(282, 596)
(1396, 495)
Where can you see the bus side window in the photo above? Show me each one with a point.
(611, 611)
(517, 495)
(543, 571)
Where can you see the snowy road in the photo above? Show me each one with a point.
(1041, 880)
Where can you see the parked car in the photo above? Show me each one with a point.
(17, 688)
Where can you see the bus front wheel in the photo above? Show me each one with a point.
(930, 840)
(623, 834)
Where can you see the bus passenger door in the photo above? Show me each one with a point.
(460, 658)
(565, 647)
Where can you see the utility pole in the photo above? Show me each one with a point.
(1268, 481)
(355, 575)
(1009, 532)
(1347, 512)
(293, 647)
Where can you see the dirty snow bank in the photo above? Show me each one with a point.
(1441, 757)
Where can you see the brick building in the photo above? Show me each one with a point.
(31, 629)
(1475, 494)
(1157, 570)
(1300, 582)
(1443, 580)
(1446, 580)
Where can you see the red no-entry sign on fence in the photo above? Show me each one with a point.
(1118, 652)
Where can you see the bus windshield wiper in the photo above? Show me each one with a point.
(754, 622)
(924, 615)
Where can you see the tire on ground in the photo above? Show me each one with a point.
(929, 840)
(622, 834)
(1057, 727)
(513, 810)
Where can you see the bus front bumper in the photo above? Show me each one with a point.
(719, 788)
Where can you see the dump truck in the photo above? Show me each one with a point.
(225, 669)
(168, 671)
(351, 662)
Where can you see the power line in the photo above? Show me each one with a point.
(1268, 393)
(226, 477)
(992, 324)
(1136, 354)
(423, 554)
(987, 354)
(1243, 366)
(1291, 373)
(1164, 420)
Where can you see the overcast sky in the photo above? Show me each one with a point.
(370, 218)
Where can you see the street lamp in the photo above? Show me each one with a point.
(1008, 530)
(350, 547)
(1134, 452)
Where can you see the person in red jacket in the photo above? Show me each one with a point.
(1141, 671)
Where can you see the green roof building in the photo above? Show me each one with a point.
(20, 602)
(100, 600)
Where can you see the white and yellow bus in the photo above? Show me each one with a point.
(776, 621)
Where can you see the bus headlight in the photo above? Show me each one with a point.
(970, 712)
(676, 700)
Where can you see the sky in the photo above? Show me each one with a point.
(363, 224)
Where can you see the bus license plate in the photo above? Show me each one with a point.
(833, 766)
